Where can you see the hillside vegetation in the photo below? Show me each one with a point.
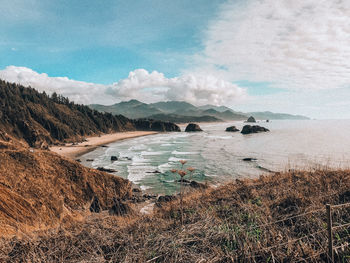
(277, 218)
(41, 119)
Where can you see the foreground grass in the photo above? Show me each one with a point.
(276, 218)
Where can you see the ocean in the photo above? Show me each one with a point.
(217, 156)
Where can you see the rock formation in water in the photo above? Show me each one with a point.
(251, 119)
(232, 129)
(247, 129)
(192, 127)
(151, 125)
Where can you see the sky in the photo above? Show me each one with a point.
(250, 55)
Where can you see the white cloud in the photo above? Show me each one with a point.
(140, 84)
(299, 44)
(81, 92)
(194, 89)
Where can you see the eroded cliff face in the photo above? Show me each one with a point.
(40, 188)
(41, 120)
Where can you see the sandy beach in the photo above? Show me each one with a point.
(74, 151)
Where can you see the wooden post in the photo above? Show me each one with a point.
(330, 234)
(181, 201)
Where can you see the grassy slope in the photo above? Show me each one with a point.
(232, 223)
(42, 189)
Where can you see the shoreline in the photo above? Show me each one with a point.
(74, 151)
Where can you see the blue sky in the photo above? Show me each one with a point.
(102, 42)
(252, 55)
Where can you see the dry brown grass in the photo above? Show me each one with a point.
(244, 221)
(40, 189)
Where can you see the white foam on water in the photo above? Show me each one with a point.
(144, 187)
(137, 173)
(169, 181)
(122, 162)
(181, 135)
(174, 159)
(167, 144)
(183, 153)
(138, 147)
(218, 137)
(164, 167)
(108, 150)
(125, 154)
(149, 153)
(138, 160)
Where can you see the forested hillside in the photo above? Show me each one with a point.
(42, 119)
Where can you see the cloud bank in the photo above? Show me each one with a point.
(301, 44)
(140, 84)
(78, 91)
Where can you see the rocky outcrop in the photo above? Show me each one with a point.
(197, 185)
(192, 127)
(247, 129)
(151, 125)
(249, 159)
(165, 199)
(193, 184)
(232, 129)
(251, 119)
(114, 158)
(102, 169)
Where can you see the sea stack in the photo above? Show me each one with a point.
(232, 129)
(247, 129)
(192, 127)
(251, 119)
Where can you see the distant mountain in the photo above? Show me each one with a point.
(173, 106)
(227, 115)
(180, 111)
(133, 109)
(217, 108)
(182, 119)
(268, 115)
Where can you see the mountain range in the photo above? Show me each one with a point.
(181, 111)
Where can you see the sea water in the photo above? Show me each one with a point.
(217, 156)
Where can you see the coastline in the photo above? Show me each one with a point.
(74, 151)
